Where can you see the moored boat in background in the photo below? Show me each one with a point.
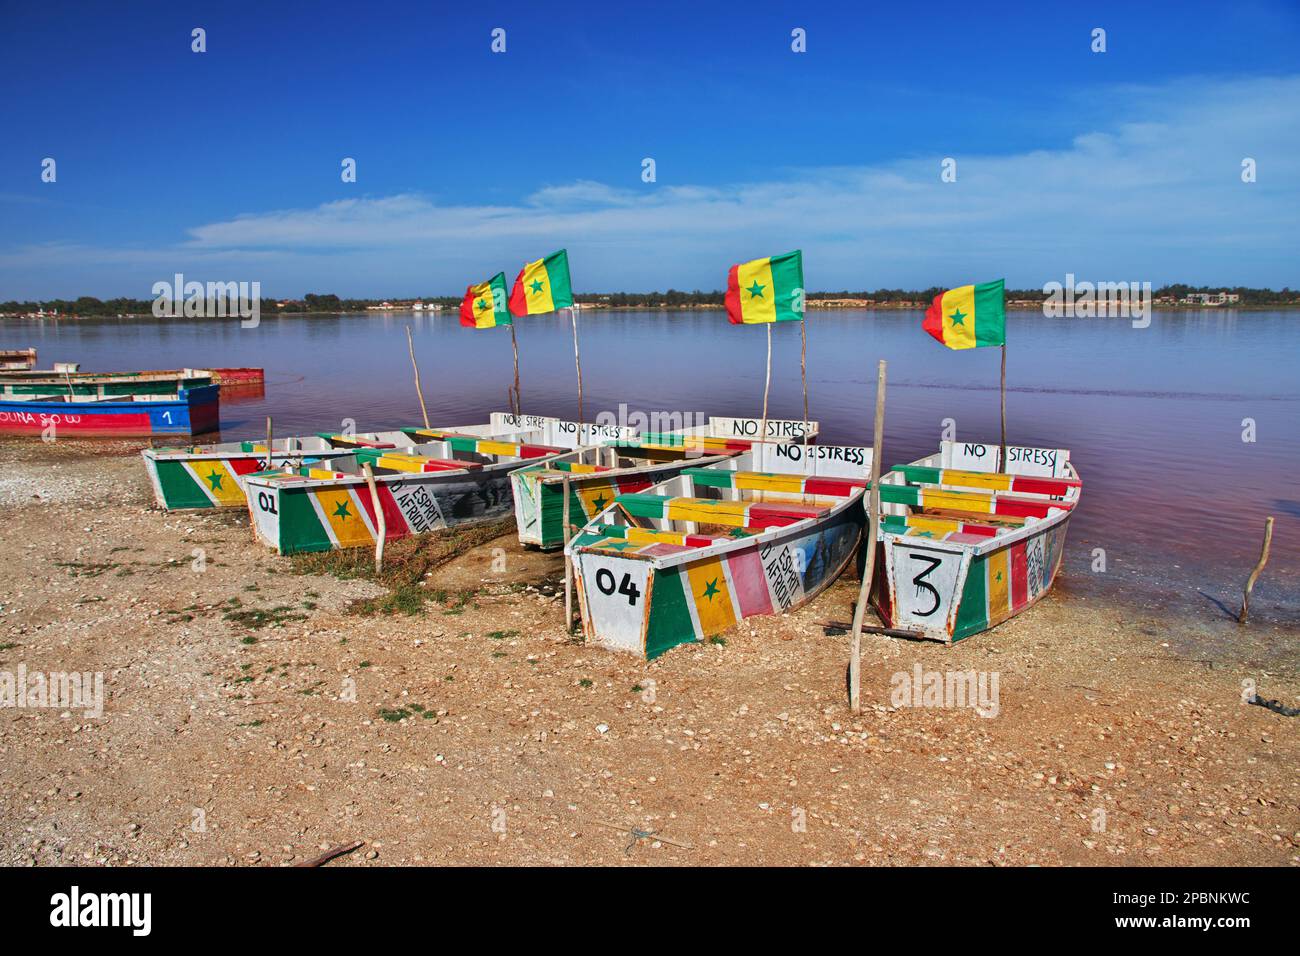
(966, 546)
(189, 410)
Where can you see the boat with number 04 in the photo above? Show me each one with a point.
(761, 532)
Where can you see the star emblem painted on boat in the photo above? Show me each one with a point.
(756, 291)
(711, 589)
(536, 286)
(958, 317)
(342, 510)
(214, 479)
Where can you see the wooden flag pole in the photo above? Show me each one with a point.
(577, 362)
(514, 344)
(767, 384)
(418, 391)
(1002, 466)
(803, 371)
(873, 521)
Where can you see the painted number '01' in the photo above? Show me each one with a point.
(605, 581)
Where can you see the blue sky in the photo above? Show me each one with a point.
(225, 165)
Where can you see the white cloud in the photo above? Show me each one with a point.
(1151, 192)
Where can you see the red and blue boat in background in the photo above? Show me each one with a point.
(118, 405)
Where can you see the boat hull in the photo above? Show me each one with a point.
(194, 411)
(639, 607)
(334, 515)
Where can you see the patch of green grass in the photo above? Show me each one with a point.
(258, 618)
(85, 569)
(407, 564)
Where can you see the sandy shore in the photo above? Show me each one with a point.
(255, 713)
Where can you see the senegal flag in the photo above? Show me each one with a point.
(968, 317)
(543, 286)
(766, 290)
(484, 305)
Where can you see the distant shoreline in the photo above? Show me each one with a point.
(586, 307)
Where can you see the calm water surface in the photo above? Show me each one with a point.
(1153, 417)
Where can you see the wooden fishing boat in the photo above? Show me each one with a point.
(183, 411)
(966, 546)
(596, 475)
(453, 480)
(51, 383)
(761, 532)
(212, 475)
(17, 358)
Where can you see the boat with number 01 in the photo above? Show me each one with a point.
(450, 481)
(762, 532)
(596, 475)
(966, 546)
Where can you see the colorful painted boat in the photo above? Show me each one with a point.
(451, 481)
(185, 411)
(212, 475)
(762, 532)
(49, 383)
(965, 546)
(596, 475)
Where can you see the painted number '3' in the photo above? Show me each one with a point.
(922, 585)
(605, 581)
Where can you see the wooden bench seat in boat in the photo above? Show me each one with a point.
(741, 514)
(776, 481)
(990, 480)
(980, 502)
(647, 542)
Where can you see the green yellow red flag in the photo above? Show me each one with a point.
(484, 305)
(969, 317)
(543, 286)
(766, 290)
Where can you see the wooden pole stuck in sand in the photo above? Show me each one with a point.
(1002, 460)
(803, 375)
(767, 384)
(514, 344)
(873, 521)
(410, 347)
(568, 564)
(577, 363)
(1254, 575)
(382, 530)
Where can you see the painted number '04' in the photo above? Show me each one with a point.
(605, 581)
